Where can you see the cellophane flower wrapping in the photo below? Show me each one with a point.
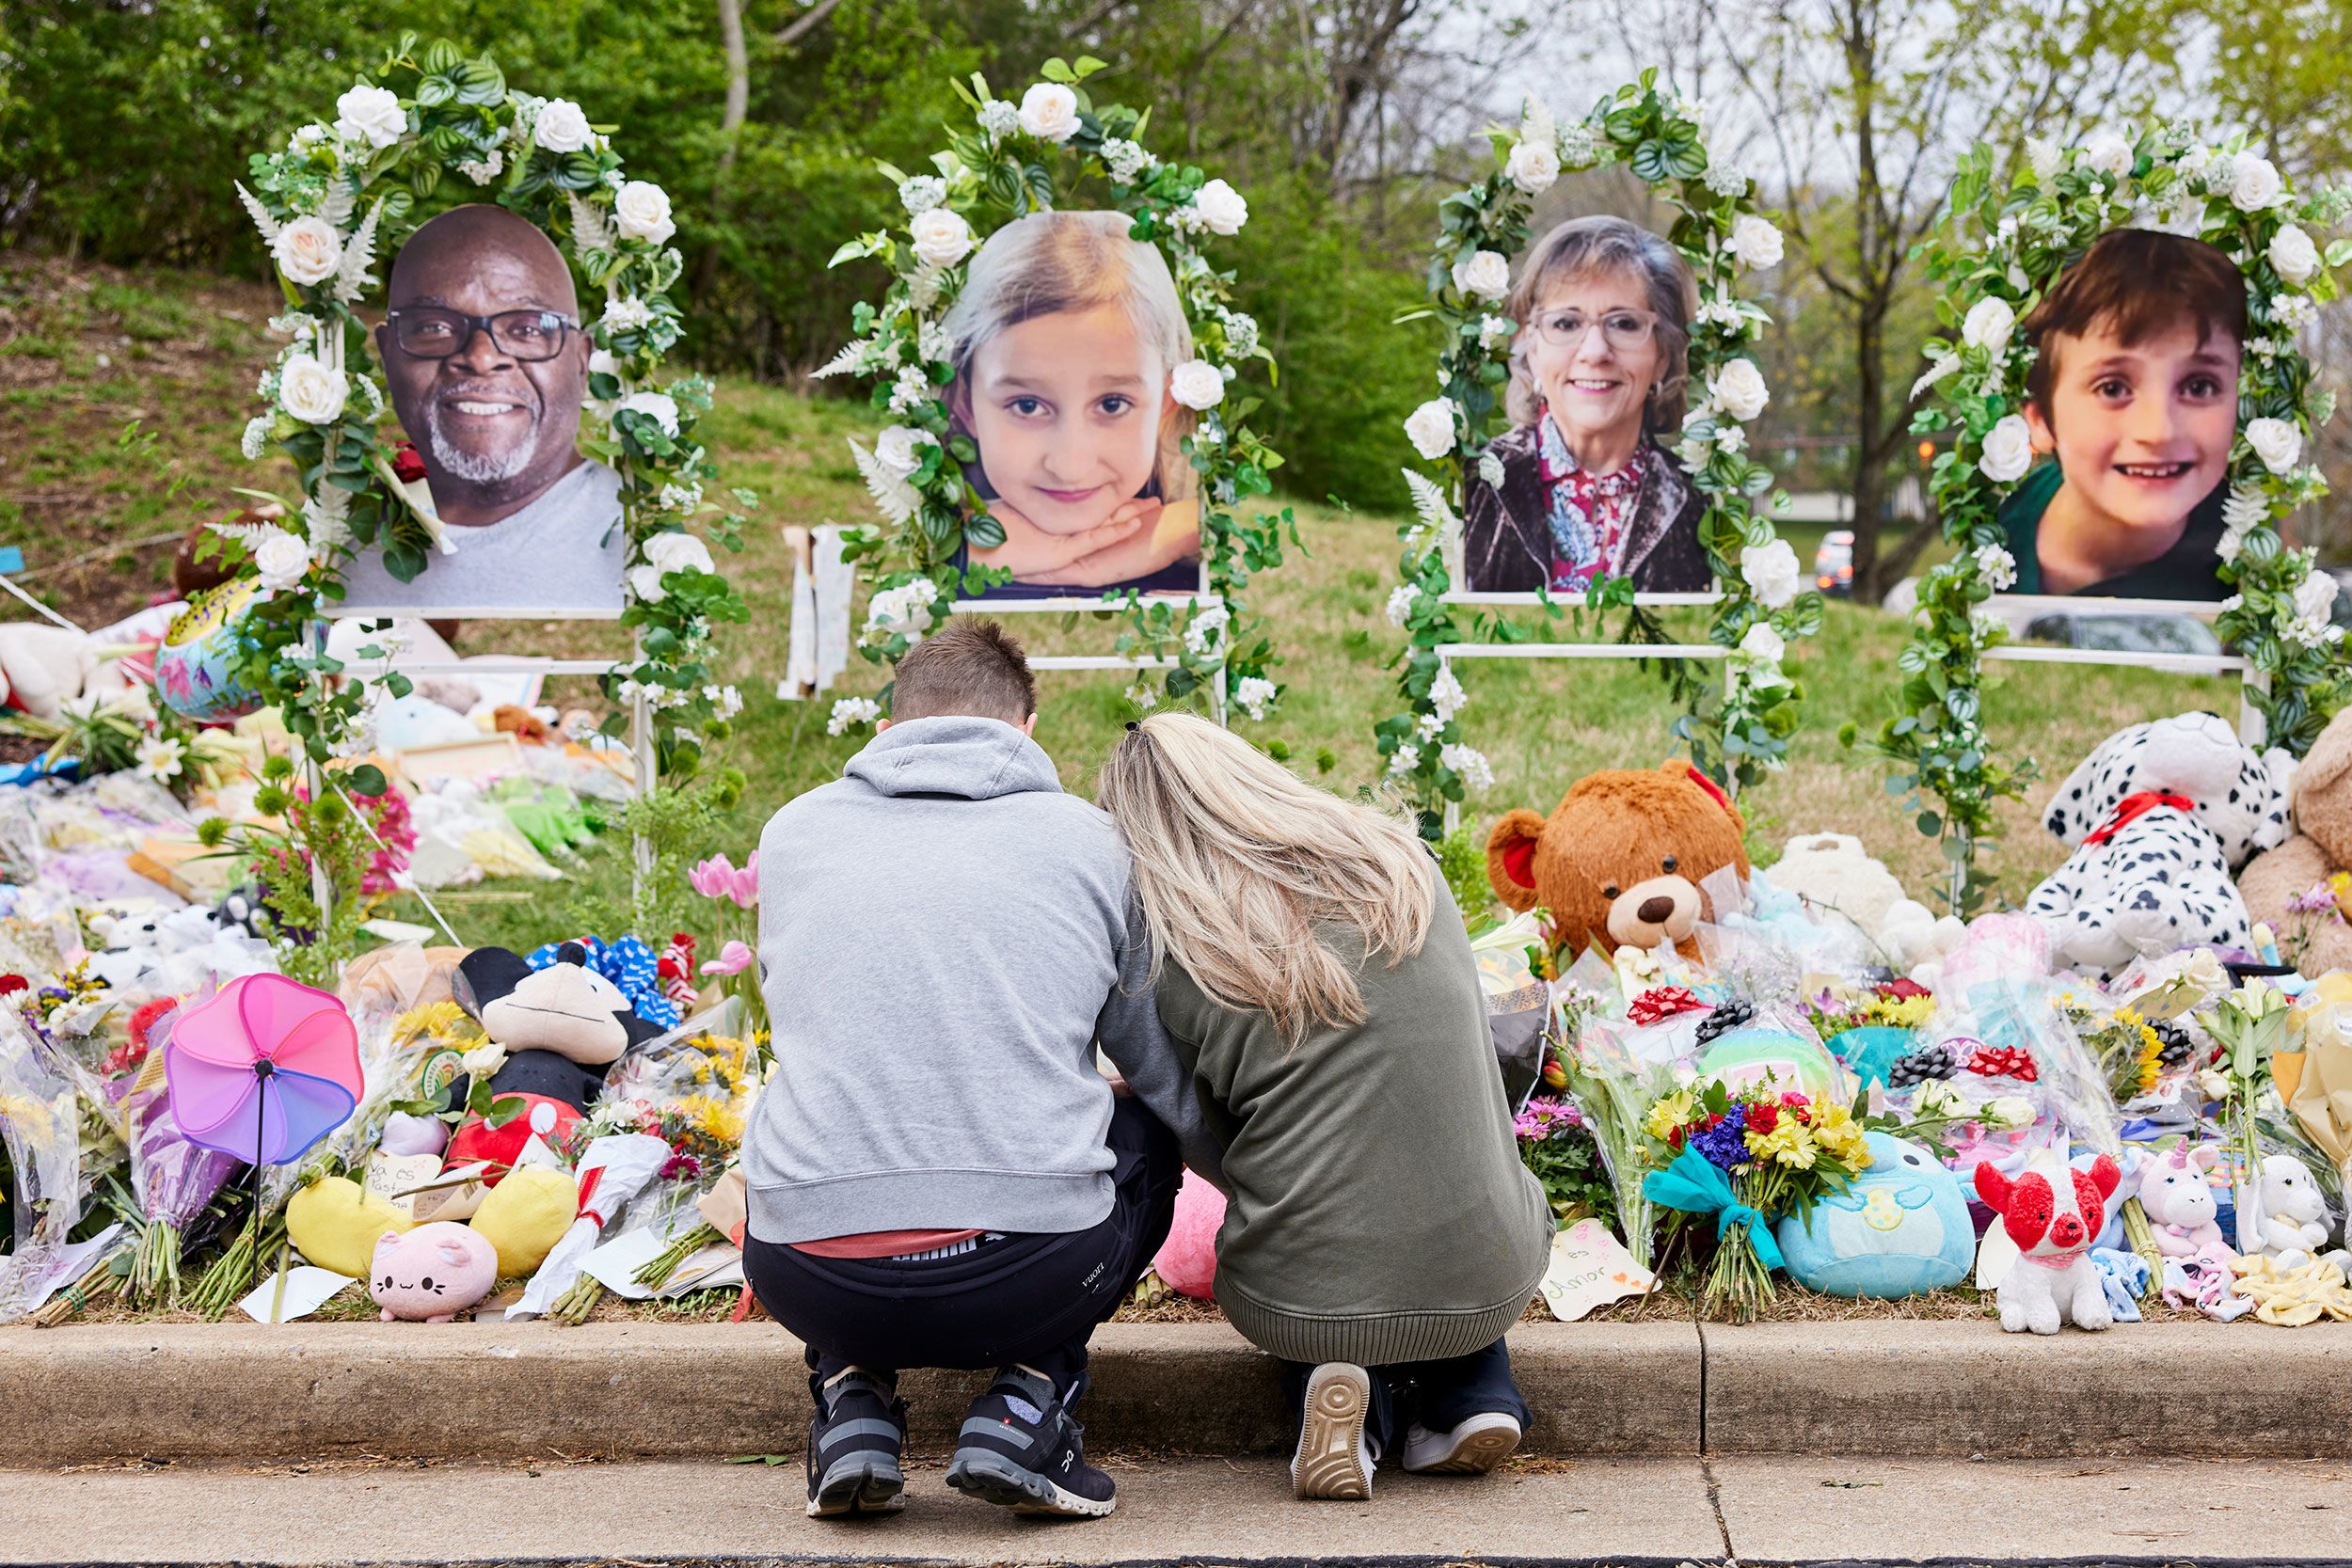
(1613, 1089)
(693, 1088)
(40, 1120)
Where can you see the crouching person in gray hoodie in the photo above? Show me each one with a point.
(939, 1175)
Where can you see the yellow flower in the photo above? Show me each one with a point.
(1790, 1143)
(1669, 1114)
(1841, 1136)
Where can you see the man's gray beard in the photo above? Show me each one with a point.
(474, 468)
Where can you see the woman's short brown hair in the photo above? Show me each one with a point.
(2135, 283)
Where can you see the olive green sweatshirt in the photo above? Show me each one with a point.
(1378, 1211)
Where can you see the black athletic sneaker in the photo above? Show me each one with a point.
(853, 1448)
(1020, 1447)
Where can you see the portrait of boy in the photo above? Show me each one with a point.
(2132, 394)
(1063, 341)
(486, 366)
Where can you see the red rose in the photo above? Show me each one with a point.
(407, 464)
(12, 984)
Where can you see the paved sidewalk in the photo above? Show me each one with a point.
(1648, 1511)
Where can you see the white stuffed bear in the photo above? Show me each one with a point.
(2293, 1224)
(1833, 871)
(43, 667)
(2159, 817)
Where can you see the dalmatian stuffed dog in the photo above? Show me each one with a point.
(2160, 816)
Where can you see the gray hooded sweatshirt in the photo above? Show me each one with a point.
(945, 935)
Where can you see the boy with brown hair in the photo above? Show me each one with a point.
(937, 1176)
(2134, 391)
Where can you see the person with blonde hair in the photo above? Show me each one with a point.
(1600, 365)
(1062, 342)
(1314, 979)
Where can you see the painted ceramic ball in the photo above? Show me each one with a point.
(1902, 1228)
(1790, 1060)
(196, 669)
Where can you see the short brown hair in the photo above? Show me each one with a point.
(968, 667)
(2135, 283)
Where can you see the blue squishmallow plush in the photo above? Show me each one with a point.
(1903, 1227)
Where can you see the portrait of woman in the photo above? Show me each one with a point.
(1062, 342)
(1599, 366)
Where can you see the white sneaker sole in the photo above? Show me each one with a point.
(1331, 1463)
(1472, 1449)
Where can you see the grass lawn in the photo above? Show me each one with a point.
(85, 352)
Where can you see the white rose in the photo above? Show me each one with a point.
(644, 584)
(372, 114)
(280, 560)
(1049, 111)
(1755, 242)
(601, 362)
(679, 552)
(941, 236)
(2008, 449)
(312, 392)
(1484, 275)
(1197, 384)
(1221, 208)
(2293, 255)
(1990, 322)
(2108, 150)
(661, 406)
(899, 449)
(1739, 390)
(1431, 427)
(1771, 574)
(2315, 596)
(1763, 643)
(308, 251)
(2254, 182)
(1534, 165)
(641, 210)
(483, 1060)
(562, 127)
(2278, 443)
(2006, 1114)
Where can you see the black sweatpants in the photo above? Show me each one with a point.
(1032, 1299)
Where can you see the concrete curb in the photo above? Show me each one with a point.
(82, 1394)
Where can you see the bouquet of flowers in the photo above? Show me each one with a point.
(1612, 1090)
(1747, 1155)
(1557, 1144)
(171, 1181)
(733, 893)
(2251, 1024)
(40, 1136)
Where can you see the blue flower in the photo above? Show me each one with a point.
(1725, 1145)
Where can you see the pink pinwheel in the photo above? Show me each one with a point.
(717, 878)
(264, 1069)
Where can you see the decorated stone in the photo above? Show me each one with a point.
(1902, 1228)
(1789, 1060)
(196, 669)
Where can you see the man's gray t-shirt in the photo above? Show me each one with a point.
(563, 554)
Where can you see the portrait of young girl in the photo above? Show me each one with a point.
(1063, 342)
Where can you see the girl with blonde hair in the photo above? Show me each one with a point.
(1314, 978)
(1062, 341)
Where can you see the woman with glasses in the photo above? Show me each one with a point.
(1587, 487)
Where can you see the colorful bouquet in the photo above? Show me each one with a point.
(1558, 1146)
(735, 894)
(1747, 1155)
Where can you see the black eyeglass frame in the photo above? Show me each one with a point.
(474, 324)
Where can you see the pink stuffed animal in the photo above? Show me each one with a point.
(2052, 1213)
(431, 1274)
(1186, 1262)
(2179, 1202)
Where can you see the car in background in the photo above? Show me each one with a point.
(2133, 633)
(1833, 563)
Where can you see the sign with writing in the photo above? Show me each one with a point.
(1590, 1268)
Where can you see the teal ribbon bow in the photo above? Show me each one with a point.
(1696, 1185)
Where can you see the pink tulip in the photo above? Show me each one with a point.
(717, 878)
(734, 959)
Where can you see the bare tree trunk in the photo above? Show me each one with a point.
(730, 130)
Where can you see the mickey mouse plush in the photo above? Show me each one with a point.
(560, 1028)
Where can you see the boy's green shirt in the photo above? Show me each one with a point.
(2190, 570)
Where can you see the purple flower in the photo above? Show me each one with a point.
(2314, 900)
(1726, 1144)
(1546, 1118)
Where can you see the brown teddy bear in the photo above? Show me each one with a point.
(1619, 864)
(2320, 794)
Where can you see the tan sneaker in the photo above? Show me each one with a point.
(1472, 1449)
(1332, 1460)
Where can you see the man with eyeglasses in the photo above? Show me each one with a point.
(488, 368)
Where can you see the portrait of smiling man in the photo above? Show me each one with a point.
(487, 366)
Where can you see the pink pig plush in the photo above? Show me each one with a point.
(1186, 1262)
(431, 1274)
